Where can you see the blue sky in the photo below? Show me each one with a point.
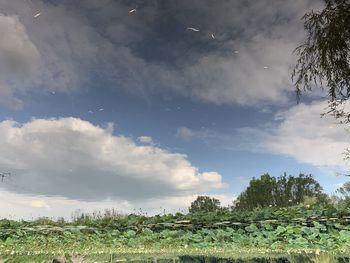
(100, 107)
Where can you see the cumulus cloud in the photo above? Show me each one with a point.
(302, 134)
(100, 40)
(73, 158)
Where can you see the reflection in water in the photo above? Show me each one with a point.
(203, 259)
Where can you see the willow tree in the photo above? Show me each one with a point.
(323, 58)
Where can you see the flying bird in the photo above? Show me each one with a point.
(212, 36)
(37, 15)
(266, 67)
(90, 111)
(101, 109)
(236, 51)
(193, 29)
(132, 11)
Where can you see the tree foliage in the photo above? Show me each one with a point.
(282, 191)
(204, 204)
(344, 192)
(324, 56)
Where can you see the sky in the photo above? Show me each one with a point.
(147, 104)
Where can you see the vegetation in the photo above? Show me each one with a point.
(262, 231)
(204, 204)
(324, 57)
(282, 191)
(343, 197)
(306, 227)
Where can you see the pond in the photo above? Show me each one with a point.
(180, 259)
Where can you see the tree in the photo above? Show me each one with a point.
(282, 191)
(204, 204)
(324, 56)
(258, 193)
(344, 191)
(342, 196)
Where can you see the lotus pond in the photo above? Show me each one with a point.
(295, 234)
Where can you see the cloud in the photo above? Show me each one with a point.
(27, 207)
(20, 60)
(18, 53)
(302, 134)
(151, 52)
(73, 158)
(145, 139)
(8, 98)
(184, 133)
(38, 203)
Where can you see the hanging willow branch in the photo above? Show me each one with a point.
(323, 59)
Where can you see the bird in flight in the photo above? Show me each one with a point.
(193, 29)
(101, 109)
(212, 36)
(266, 67)
(37, 15)
(90, 111)
(132, 10)
(236, 51)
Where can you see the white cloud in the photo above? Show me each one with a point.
(38, 203)
(145, 139)
(302, 134)
(73, 158)
(26, 207)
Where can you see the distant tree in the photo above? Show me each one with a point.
(282, 191)
(297, 189)
(324, 57)
(258, 193)
(204, 204)
(344, 192)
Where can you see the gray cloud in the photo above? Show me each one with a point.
(150, 51)
(8, 98)
(20, 61)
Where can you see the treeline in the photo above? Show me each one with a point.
(283, 191)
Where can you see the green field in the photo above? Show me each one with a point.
(320, 232)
